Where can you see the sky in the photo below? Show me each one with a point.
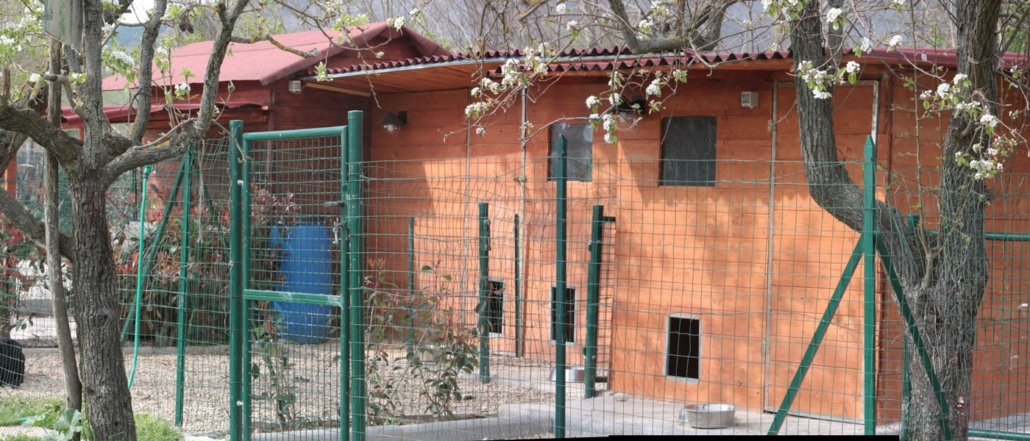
(138, 11)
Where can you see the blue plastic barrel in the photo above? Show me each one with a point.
(307, 267)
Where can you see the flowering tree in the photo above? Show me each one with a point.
(95, 162)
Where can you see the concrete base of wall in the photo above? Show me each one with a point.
(462, 430)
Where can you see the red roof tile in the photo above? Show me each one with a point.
(264, 62)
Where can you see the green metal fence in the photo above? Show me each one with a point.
(313, 288)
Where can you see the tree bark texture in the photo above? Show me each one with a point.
(943, 282)
(104, 383)
(55, 279)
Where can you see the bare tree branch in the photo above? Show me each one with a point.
(22, 219)
(53, 139)
(276, 43)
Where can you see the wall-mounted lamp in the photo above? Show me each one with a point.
(393, 122)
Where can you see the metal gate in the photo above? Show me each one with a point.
(292, 261)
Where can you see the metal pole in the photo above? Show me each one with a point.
(184, 252)
(345, 423)
(235, 282)
(593, 300)
(411, 285)
(355, 146)
(817, 338)
(518, 292)
(560, 262)
(245, 310)
(869, 267)
(484, 288)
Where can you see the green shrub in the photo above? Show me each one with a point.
(13, 408)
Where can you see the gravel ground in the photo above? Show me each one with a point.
(314, 376)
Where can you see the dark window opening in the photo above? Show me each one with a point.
(570, 314)
(495, 307)
(579, 143)
(683, 359)
(688, 151)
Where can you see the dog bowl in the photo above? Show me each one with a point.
(573, 374)
(708, 416)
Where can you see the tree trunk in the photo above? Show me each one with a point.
(944, 282)
(72, 384)
(105, 386)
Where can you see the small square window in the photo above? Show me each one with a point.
(495, 307)
(683, 358)
(570, 314)
(579, 143)
(688, 151)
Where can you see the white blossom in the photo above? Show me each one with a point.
(593, 101)
(867, 45)
(594, 117)
(35, 78)
(609, 138)
(942, 90)
(561, 8)
(821, 94)
(6, 41)
(475, 91)
(614, 99)
(895, 41)
(833, 14)
(989, 120)
(397, 23)
(645, 25)
(766, 4)
(481, 131)
(899, 2)
(655, 88)
(571, 25)
(182, 88)
(852, 67)
(122, 56)
(959, 78)
(415, 12)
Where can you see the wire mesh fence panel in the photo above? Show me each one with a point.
(696, 294)
(294, 237)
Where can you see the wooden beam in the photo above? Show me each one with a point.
(321, 86)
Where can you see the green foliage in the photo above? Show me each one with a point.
(440, 347)
(14, 408)
(275, 356)
(20, 437)
(152, 428)
(63, 424)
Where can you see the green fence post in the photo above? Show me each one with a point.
(817, 338)
(235, 281)
(593, 301)
(560, 263)
(184, 252)
(345, 423)
(411, 285)
(906, 385)
(245, 309)
(355, 146)
(869, 268)
(484, 289)
(518, 292)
